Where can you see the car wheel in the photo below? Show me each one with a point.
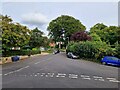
(104, 63)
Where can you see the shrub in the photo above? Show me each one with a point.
(90, 49)
(117, 49)
(20, 52)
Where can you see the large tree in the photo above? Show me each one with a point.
(63, 27)
(13, 34)
(36, 39)
(110, 34)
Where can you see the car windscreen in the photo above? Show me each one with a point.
(114, 58)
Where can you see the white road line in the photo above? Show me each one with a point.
(42, 74)
(110, 78)
(85, 77)
(113, 80)
(60, 75)
(8, 73)
(38, 73)
(73, 76)
(50, 74)
(16, 70)
(98, 78)
(37, 62)
(35, 75)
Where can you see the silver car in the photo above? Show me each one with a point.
(71, 55)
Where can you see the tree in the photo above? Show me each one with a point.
(95, 37)
(110, 34)
(80, 36)
(98, 29)
(13, 34)
(64, 26)
(36, 39)
(46, 42)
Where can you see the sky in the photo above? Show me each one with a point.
(39, 14)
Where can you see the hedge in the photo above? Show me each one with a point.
(90, 49)
(20, 52)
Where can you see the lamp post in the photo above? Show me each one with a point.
(62, 36)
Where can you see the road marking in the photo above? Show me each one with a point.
(73, 76)
(0, 74)
(61, 75)
(38, 73)
(35, 75)
(51, 74)
(21, 69)
(8, 73)
(37, 62)
(16, 70)
(42, 74)
(113, 80)
(85, 77)
(110, 78)
(98, 78)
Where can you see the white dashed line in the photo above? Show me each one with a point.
(61, 75)
(35, 75)
(16, 70)
(37, 62)
(98, 78)
(38, 73)
(42, 74)
(73, 76)
(8, 73)
(85, 77)
(50, 74)
(110, 78)
(113, 80)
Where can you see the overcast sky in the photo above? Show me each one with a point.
(39, 14)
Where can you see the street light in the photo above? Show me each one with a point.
(62, 36)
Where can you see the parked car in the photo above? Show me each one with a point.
(71, 55)
(56, 51)
(111, 60)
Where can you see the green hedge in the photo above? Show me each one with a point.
(117, 49)
(90, 49)
(20, 52)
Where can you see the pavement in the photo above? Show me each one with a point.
(4, 60)
(58, 71)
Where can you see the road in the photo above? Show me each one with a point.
(58, 71)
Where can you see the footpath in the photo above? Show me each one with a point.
(4, 60)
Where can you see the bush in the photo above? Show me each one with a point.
(20, 52)
(90, 49)
(117, 49)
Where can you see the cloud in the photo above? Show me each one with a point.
(34, 19)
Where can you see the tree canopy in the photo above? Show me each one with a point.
(80, 36)
(64, 25)
(110, 34)
(13, 34)
(37, 39)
